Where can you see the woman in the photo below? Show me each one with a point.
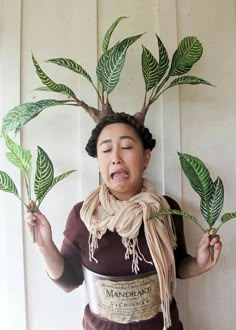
(128, 257)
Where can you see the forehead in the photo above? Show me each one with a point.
(117, 130)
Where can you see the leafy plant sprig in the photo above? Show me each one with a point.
(44, 174)
(211, 195)
(159, 75)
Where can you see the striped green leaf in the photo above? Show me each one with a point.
(181, 213)
(46, 89)
(177, 212)
(215, 205)
(44, 174)
(17, 117)
(111, 63)
(188, 52)
(102, 62)
(109, 32)
(7, 184)
(199, 178)
(61, 177)
(228, 216)
(59, 88)
(54, 182)
(18, 156)
(150, 70)
(71, 65)
(153, 71)
(163, 59)
(188, 80)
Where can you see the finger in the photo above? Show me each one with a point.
(217, 251)
(215, 239)
(30, 206)
(41, 219)
(39, 215)
(204, 242)
(212, 231)
(30, 219)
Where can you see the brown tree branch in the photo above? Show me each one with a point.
(141, 115)
(96, 114)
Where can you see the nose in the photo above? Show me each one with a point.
(116, 158)
(114, 162)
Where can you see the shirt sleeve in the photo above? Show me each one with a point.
(72, 275)
(181, 250)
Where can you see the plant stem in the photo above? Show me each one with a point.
(23, 202)
(27, 183)
(212, 232)
(154, 97)
(211, 248)
(99, 96)
(30, 210)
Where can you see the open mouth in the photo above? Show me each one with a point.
(119, 175)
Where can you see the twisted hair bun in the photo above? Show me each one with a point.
(120, 117)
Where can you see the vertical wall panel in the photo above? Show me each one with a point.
(208, 121)
(12, 282)
(58, 29)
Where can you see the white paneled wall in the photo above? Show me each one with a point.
(12, 281)
(199, 120)
(208, 121)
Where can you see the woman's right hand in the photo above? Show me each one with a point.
(52, 258)
(36, 222)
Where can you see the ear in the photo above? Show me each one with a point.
(147, 157)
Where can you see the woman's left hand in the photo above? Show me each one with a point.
(208, 252)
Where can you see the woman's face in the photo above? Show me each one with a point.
(122, 160)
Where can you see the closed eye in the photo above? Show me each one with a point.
(105, 151)
(126, 148)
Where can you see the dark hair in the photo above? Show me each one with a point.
(124, 118)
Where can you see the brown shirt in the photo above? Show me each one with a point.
(111, 261)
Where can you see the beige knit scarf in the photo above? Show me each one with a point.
(101, 211)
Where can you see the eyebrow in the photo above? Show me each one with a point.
(122, 137)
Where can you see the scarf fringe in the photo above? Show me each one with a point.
(132, 249)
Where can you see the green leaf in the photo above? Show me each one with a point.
(153, 71)
(61, 177)
(44, 174)
(198, 175)
(102, 62)
(7, 184)
(43, 89)
(191, 80)
(18, 156)
(59, 88)
(111, 63)
(17, 117)
(109, 32)
(228, 216)
(187, 54)
(46, 89)
(163, 59)
(200, 180)
(54, 182)
(150, 70)
(181, 213)
(71, 65)
(215, 204)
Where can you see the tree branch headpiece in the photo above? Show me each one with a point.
(158, 76)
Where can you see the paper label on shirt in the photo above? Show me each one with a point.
(127, 301)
